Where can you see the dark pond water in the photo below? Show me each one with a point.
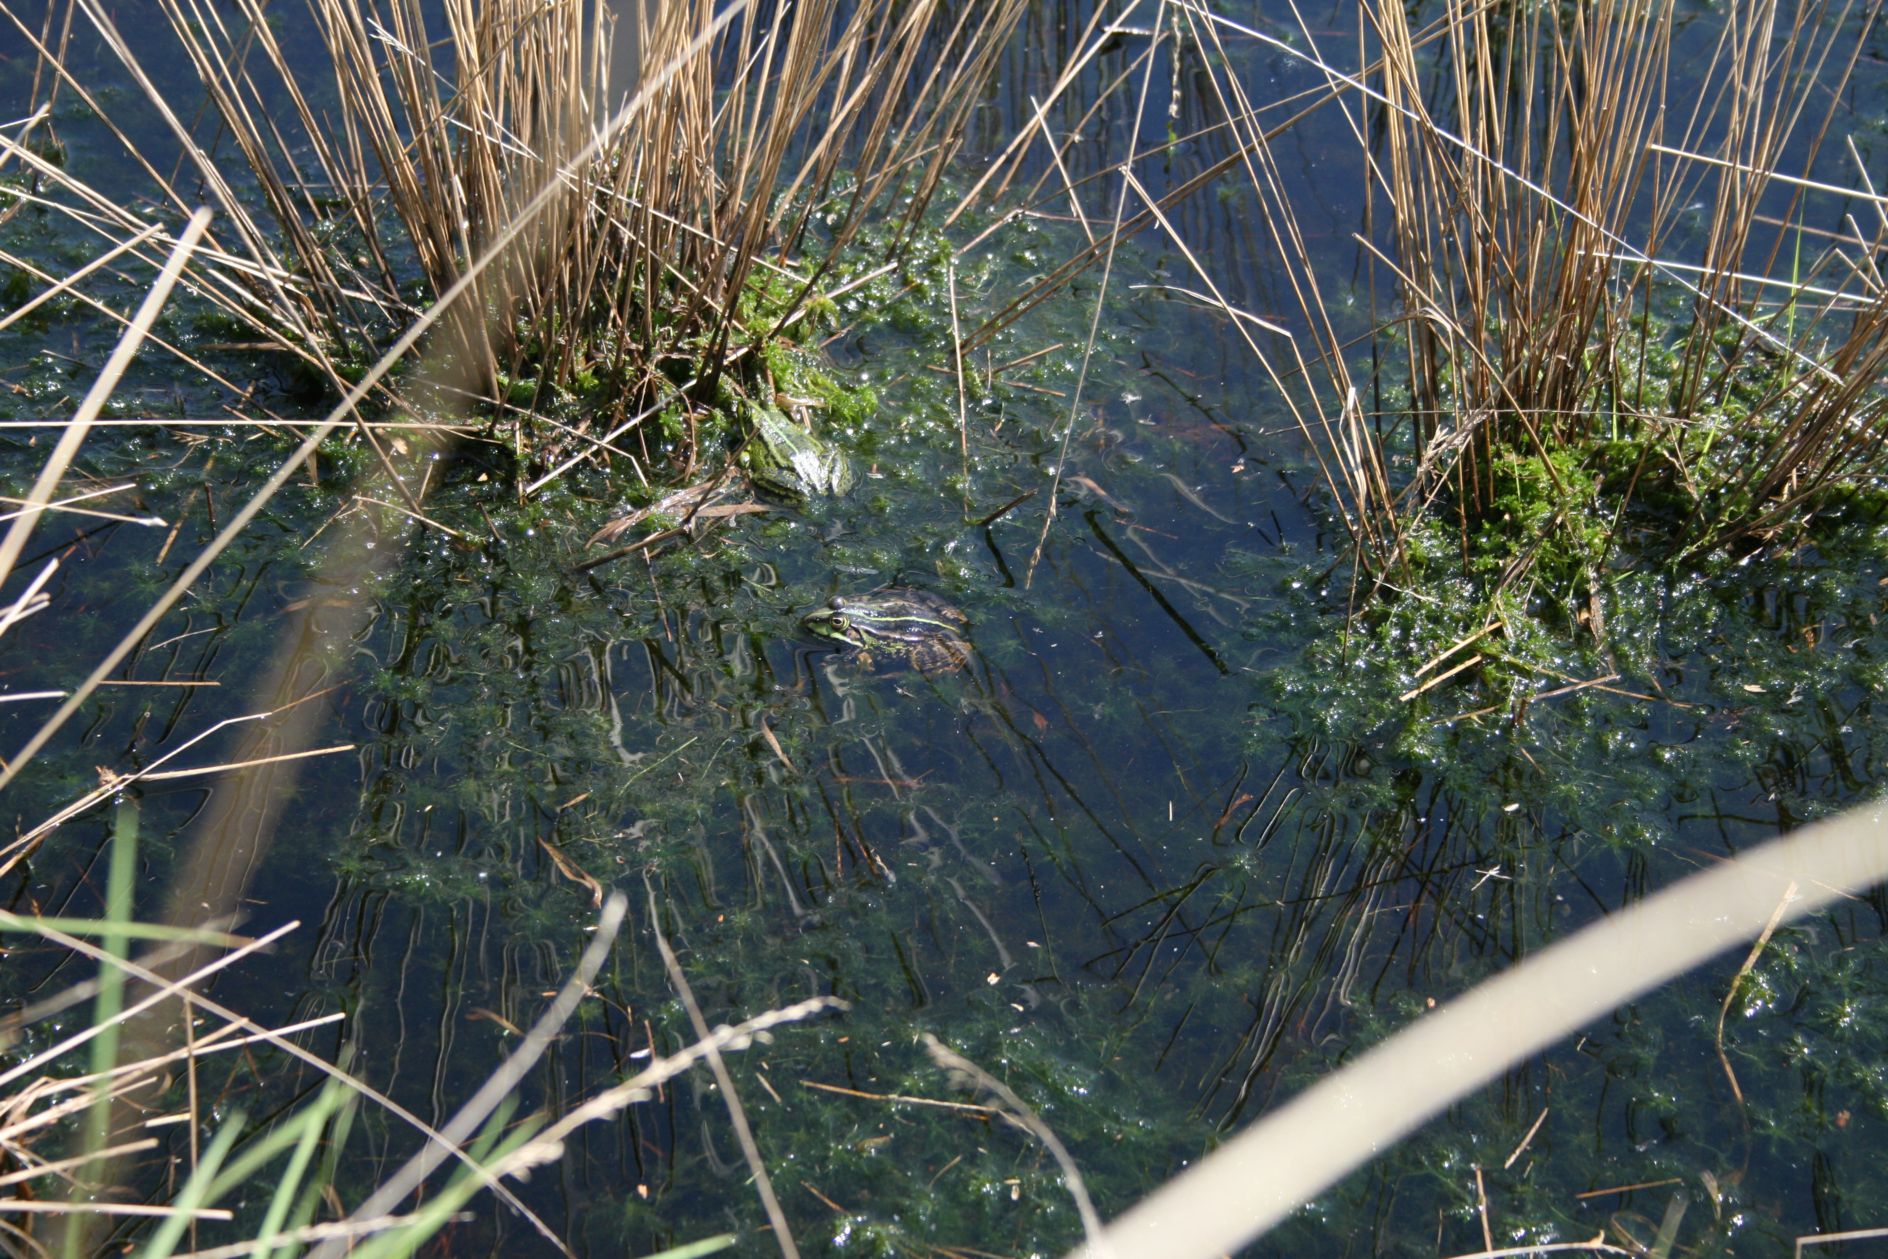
(1171, 848)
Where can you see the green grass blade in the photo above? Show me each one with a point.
(706, 1246)
(118, 930)
(198, 1191)
(115, 941)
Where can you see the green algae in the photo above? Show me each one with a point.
(1157, 863)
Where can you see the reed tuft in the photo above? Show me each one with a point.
(1607, 289)
(705, 169)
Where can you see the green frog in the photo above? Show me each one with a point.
(789, 462)
(913, 627)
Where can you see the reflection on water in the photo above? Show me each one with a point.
(1169, 848)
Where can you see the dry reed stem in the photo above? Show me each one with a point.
(1094, 323)
(737, 1115)
(117, 1084)
(104, 218)
(906, 1099)
(47, 294)
(957, 365)
(86, 990)
(1526, 1140)
(1730, 995)
(281, 1042)
(75, 432)
(165, 989)
(66, 505)
(1285, 1159)
(1828, 1239)
(32, 600)
(465, 1124)
(42, 1206)
(445, 427)
(14, 851)
(1019, 1113)
(344, 1230)
(33, 1170)
(546, 1146)
(1598, 1246)
(410, 514)
(223, 1040)
(226, 767)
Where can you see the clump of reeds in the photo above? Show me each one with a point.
(631, 192)
(1567, 316)
(1584, 352)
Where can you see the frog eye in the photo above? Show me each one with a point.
(840, 623)
(835, 603)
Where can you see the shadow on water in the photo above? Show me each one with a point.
(1170, 847)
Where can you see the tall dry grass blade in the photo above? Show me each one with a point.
(22, 844)
(280, 1041)
(61, 456)
(1018, 1112)
(165, 990)
(548, 1144)
(31, 600)
(479, 1107)
(957, 370)
(1101, 296)
(56, 1167)
(1257, 1178)
(265, 1243)
(67, 506)
(135, 1210)
(46, 295)
(737, 1116)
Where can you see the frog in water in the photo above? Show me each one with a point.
(789, 462)
(912, 627)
